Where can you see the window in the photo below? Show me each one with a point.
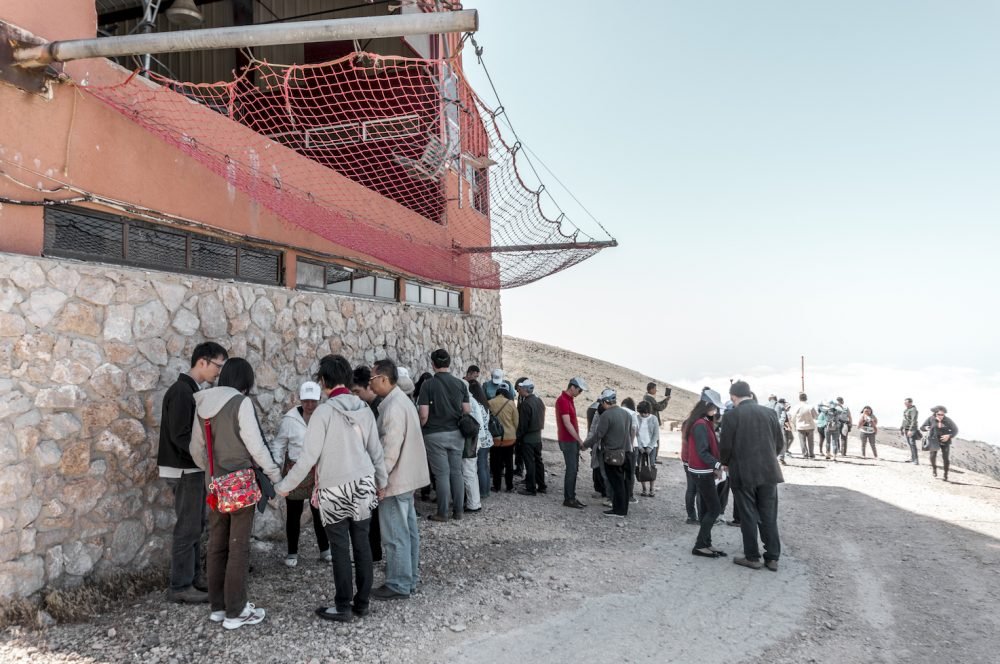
(341, 279)
(417, 293)
(73, 232)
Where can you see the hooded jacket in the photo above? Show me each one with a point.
(342, 443)
(405, 456)
(237, 442)
(290, 437)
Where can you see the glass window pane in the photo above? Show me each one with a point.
(338, 279)
(412, 292)
(385, 288)
(363, 285)
(453, 301)
(308, 274)
(426, 295)
(213, 257)
(441, 298)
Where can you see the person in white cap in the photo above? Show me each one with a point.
(531, 421)
(612, 434)
(568, 435)
(285, 450)
(495, 382)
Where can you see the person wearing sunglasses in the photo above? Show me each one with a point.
(941, 431)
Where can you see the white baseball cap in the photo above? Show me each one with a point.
(608, 396)
(310, 391)
(527, 384)
(497, 377)
(578, 382)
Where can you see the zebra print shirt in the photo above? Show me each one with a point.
(354, 500)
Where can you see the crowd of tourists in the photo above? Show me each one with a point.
(364, 442)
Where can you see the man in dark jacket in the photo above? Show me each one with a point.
(181, 474)
(531, 421)
(751, 442)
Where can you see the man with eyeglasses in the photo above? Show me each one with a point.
(185, 479)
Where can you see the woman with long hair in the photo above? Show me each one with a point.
(868, 427)
(225, 416)
(941, 431)
(343, 444)
(698, 434)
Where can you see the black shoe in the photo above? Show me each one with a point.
(694, 522)
(331, 613)
(543, 489)
(478, 509)
(496, 489)
(189, 595)
(384, 593)
(579, 504)
(509, 489)
(614, 514)
(572, 503)
(360, 613)
(525, 492)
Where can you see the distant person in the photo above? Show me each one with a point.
(821, 422)
(834, 430)
(612, 434)
(569, 438)
(531, 422)
(846, 424)
(185, 479)
(286, 446)
(868, 427)
(784, 419)
(751, 440)
(701, 447)
(941, 431)
(443, 400)
(235, 444)
(656, 407)
(647, 444)
(495, 382)
(504, 408)
(910, 428)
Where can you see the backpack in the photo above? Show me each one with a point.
(495, 427)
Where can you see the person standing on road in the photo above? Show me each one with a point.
(910, 428)
(941, 431)
(531, 422)
(751, 440)
(568, 435)
(702, 451)
(846, 424)
(784, 419)
(805, 425)
(495, 382)
(405, 461)
(656, 407)
(611, 436)
(503, 407)
(868, 427)
(647, 443)
(185, 479)
(442, 402)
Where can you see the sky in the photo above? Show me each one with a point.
(785, 179)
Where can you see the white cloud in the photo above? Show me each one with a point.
(967, 393)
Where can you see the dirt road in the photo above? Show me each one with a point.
(880, 563)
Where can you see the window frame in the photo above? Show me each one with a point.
(356, 275)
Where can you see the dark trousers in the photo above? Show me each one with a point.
(534, 467)
(914, 456)
(571, 455)
(189, 508)
(945, 458)
(502, 466)
(599, 486)
(294, 522)
(630, 474)
(617, 488)
(759, 513)
(689, 494)
(347, 536)
(806, 443)
(708, 497)
(375, 537)
(518, 457)
(228, 559)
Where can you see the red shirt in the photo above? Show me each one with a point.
(566, 406)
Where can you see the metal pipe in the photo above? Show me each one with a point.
(341, 29)
(557, 246)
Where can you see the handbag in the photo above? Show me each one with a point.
(233, 491)
(614, 457)
(468, 426)
(646, 471)
(305, 488)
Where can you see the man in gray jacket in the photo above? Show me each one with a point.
(909, 427)
(612, 436)
(751, 442)
(406, 463)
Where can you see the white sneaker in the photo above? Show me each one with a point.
(606, 503)
(217, 616)
(251, 616)
(326, 556)
(634, 500)
(291, 560)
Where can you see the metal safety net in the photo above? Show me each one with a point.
(396, 158)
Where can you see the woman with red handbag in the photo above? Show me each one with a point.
(227, 442)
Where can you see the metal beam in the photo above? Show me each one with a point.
(557, 246)
(342, 29)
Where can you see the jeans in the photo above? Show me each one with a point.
(708, 498)
(833, 442)
(444, 453)
(228, 559)
(914, 457)
(294, 522)
(398, 523)
(616, 486)
(789, 438)
(534, 467)
(483, 469)
(571, 454)
(689, 494)
(759, 511)
(945, 458)
(189, 508)
(806, 443)
(470, 480)
(347, 536)
(502, 466)
(822, 440)
(869, 439)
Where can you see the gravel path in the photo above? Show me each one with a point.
(881, 563)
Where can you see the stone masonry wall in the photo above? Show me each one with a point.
(86, 353)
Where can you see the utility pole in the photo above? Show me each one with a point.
(802, 366)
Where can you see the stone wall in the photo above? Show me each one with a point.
(86, 353)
